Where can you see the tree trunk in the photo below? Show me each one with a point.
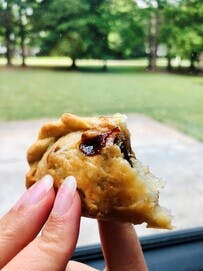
(23, 53)
(8, 47)
(8, 32)
(104, 67)
(192, 62)
(153, 38)
(74, 66)
(169, 66)
(22, 39)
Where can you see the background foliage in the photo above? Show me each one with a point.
(101, 29)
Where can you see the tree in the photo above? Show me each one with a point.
(90, 29)
(7, 27)
(15, 26)
(125, 28)
(154, 17)
(190, 23)
(97, 29)
(62, 27)
(21, 21)
(169, 32)
(23, 14)
(182, 30)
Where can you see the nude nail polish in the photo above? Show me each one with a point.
(64, 197)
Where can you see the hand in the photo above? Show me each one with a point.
(22, 248)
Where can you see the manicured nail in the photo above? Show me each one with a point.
(36, 192)
(64, 197)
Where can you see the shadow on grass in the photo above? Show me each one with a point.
(85, 69)
(110, 69)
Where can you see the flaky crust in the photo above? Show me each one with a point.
(109, 186)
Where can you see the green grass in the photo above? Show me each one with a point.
(35, 93)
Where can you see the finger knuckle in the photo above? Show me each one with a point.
(53, 237)
(10, 225)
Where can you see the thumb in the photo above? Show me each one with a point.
(53, 249)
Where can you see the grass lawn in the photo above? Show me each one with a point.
(35, 93)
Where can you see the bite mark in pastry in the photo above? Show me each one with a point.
(111, 182)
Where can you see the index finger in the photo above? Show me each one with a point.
(25, 220)
(54, 247)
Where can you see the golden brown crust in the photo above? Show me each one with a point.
(110, 188)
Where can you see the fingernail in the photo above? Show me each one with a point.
(36, 192)
(64, 197)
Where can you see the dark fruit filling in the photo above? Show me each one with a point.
(93, 145)
(124, 145)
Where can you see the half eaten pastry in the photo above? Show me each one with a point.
(111, 182)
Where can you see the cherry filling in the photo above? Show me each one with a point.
(92, 145)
